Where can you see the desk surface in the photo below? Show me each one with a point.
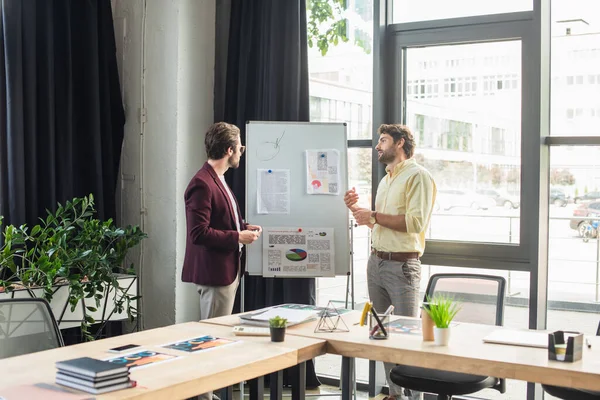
(466, 353)
(187, 376)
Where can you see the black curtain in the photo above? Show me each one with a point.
(61, 114)
(261, 74)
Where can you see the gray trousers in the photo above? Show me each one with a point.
(216, 301)
(394, 283)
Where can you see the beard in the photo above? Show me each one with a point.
(234, 163)
(387, 156)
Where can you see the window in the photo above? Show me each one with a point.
(341, 86)
(573, 282)
(470, 140)
(426, 10)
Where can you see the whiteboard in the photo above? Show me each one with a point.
(282, 145)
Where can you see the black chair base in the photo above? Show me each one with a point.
(444, 384)
(571, 394)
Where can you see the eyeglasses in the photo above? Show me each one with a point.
(242, 149)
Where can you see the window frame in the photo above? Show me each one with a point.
(480, 29)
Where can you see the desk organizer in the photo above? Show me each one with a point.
(561, 350)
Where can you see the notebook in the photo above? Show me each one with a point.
(91, 367)
(518, 338)
(92, 380)
(90, 383)
(101, 390)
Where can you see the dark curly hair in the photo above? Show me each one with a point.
(397, 132)
(219, 138)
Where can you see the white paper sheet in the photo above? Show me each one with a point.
(293, 316)
(323, 172)
(298, 252)
(273, 191)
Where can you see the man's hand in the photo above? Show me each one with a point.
(255, 228)
(351, 198)
(248, 237)
(362, 216)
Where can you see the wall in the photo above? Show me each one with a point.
(166, 54)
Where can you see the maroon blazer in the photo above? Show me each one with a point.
(212, 251)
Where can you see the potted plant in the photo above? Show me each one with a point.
(70, 249)
(442, 309)
(277, 325)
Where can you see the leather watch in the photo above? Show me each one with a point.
(373, 219)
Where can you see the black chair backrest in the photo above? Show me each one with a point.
(27, 325)
(481, 296)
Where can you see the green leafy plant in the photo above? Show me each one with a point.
(71, 247)
(278, 322)
(442, 309)
(327, 25)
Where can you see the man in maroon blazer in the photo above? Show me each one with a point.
(215, 229)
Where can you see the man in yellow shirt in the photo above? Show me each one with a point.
(403, 206)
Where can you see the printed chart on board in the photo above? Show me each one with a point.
(298, 252)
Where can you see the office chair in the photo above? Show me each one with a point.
(482, 301)
(27, 325)
(570, 393)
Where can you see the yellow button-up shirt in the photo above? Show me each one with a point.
(408, 190)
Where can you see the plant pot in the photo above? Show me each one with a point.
(277, 334)
(441, 336)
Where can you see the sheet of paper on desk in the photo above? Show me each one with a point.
(518, 338)
(193, 345)
(293, 316)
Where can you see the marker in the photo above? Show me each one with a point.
(388, 311)
(588, 343)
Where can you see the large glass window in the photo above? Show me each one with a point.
(467, 124)
(575, 68)
(427, 10)
(574, 255)
(574, 248)
(341, 90)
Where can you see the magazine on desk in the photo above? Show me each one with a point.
(294, 313)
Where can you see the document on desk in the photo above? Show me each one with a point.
(141, 359)
(293, 316)
(196, 344)
(518, 338)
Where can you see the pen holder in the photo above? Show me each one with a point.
(565, 346)
(375, 331)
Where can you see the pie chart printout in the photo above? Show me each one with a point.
(296, 255)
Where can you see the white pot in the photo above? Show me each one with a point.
(441, 336)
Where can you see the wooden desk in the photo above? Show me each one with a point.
(466, 353)
(190, 375)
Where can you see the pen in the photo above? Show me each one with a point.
(378, 321)
(588, 343)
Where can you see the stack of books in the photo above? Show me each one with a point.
(93, 376)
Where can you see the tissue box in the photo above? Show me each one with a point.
(565, 346)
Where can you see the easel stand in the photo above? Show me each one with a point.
(330, 318)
